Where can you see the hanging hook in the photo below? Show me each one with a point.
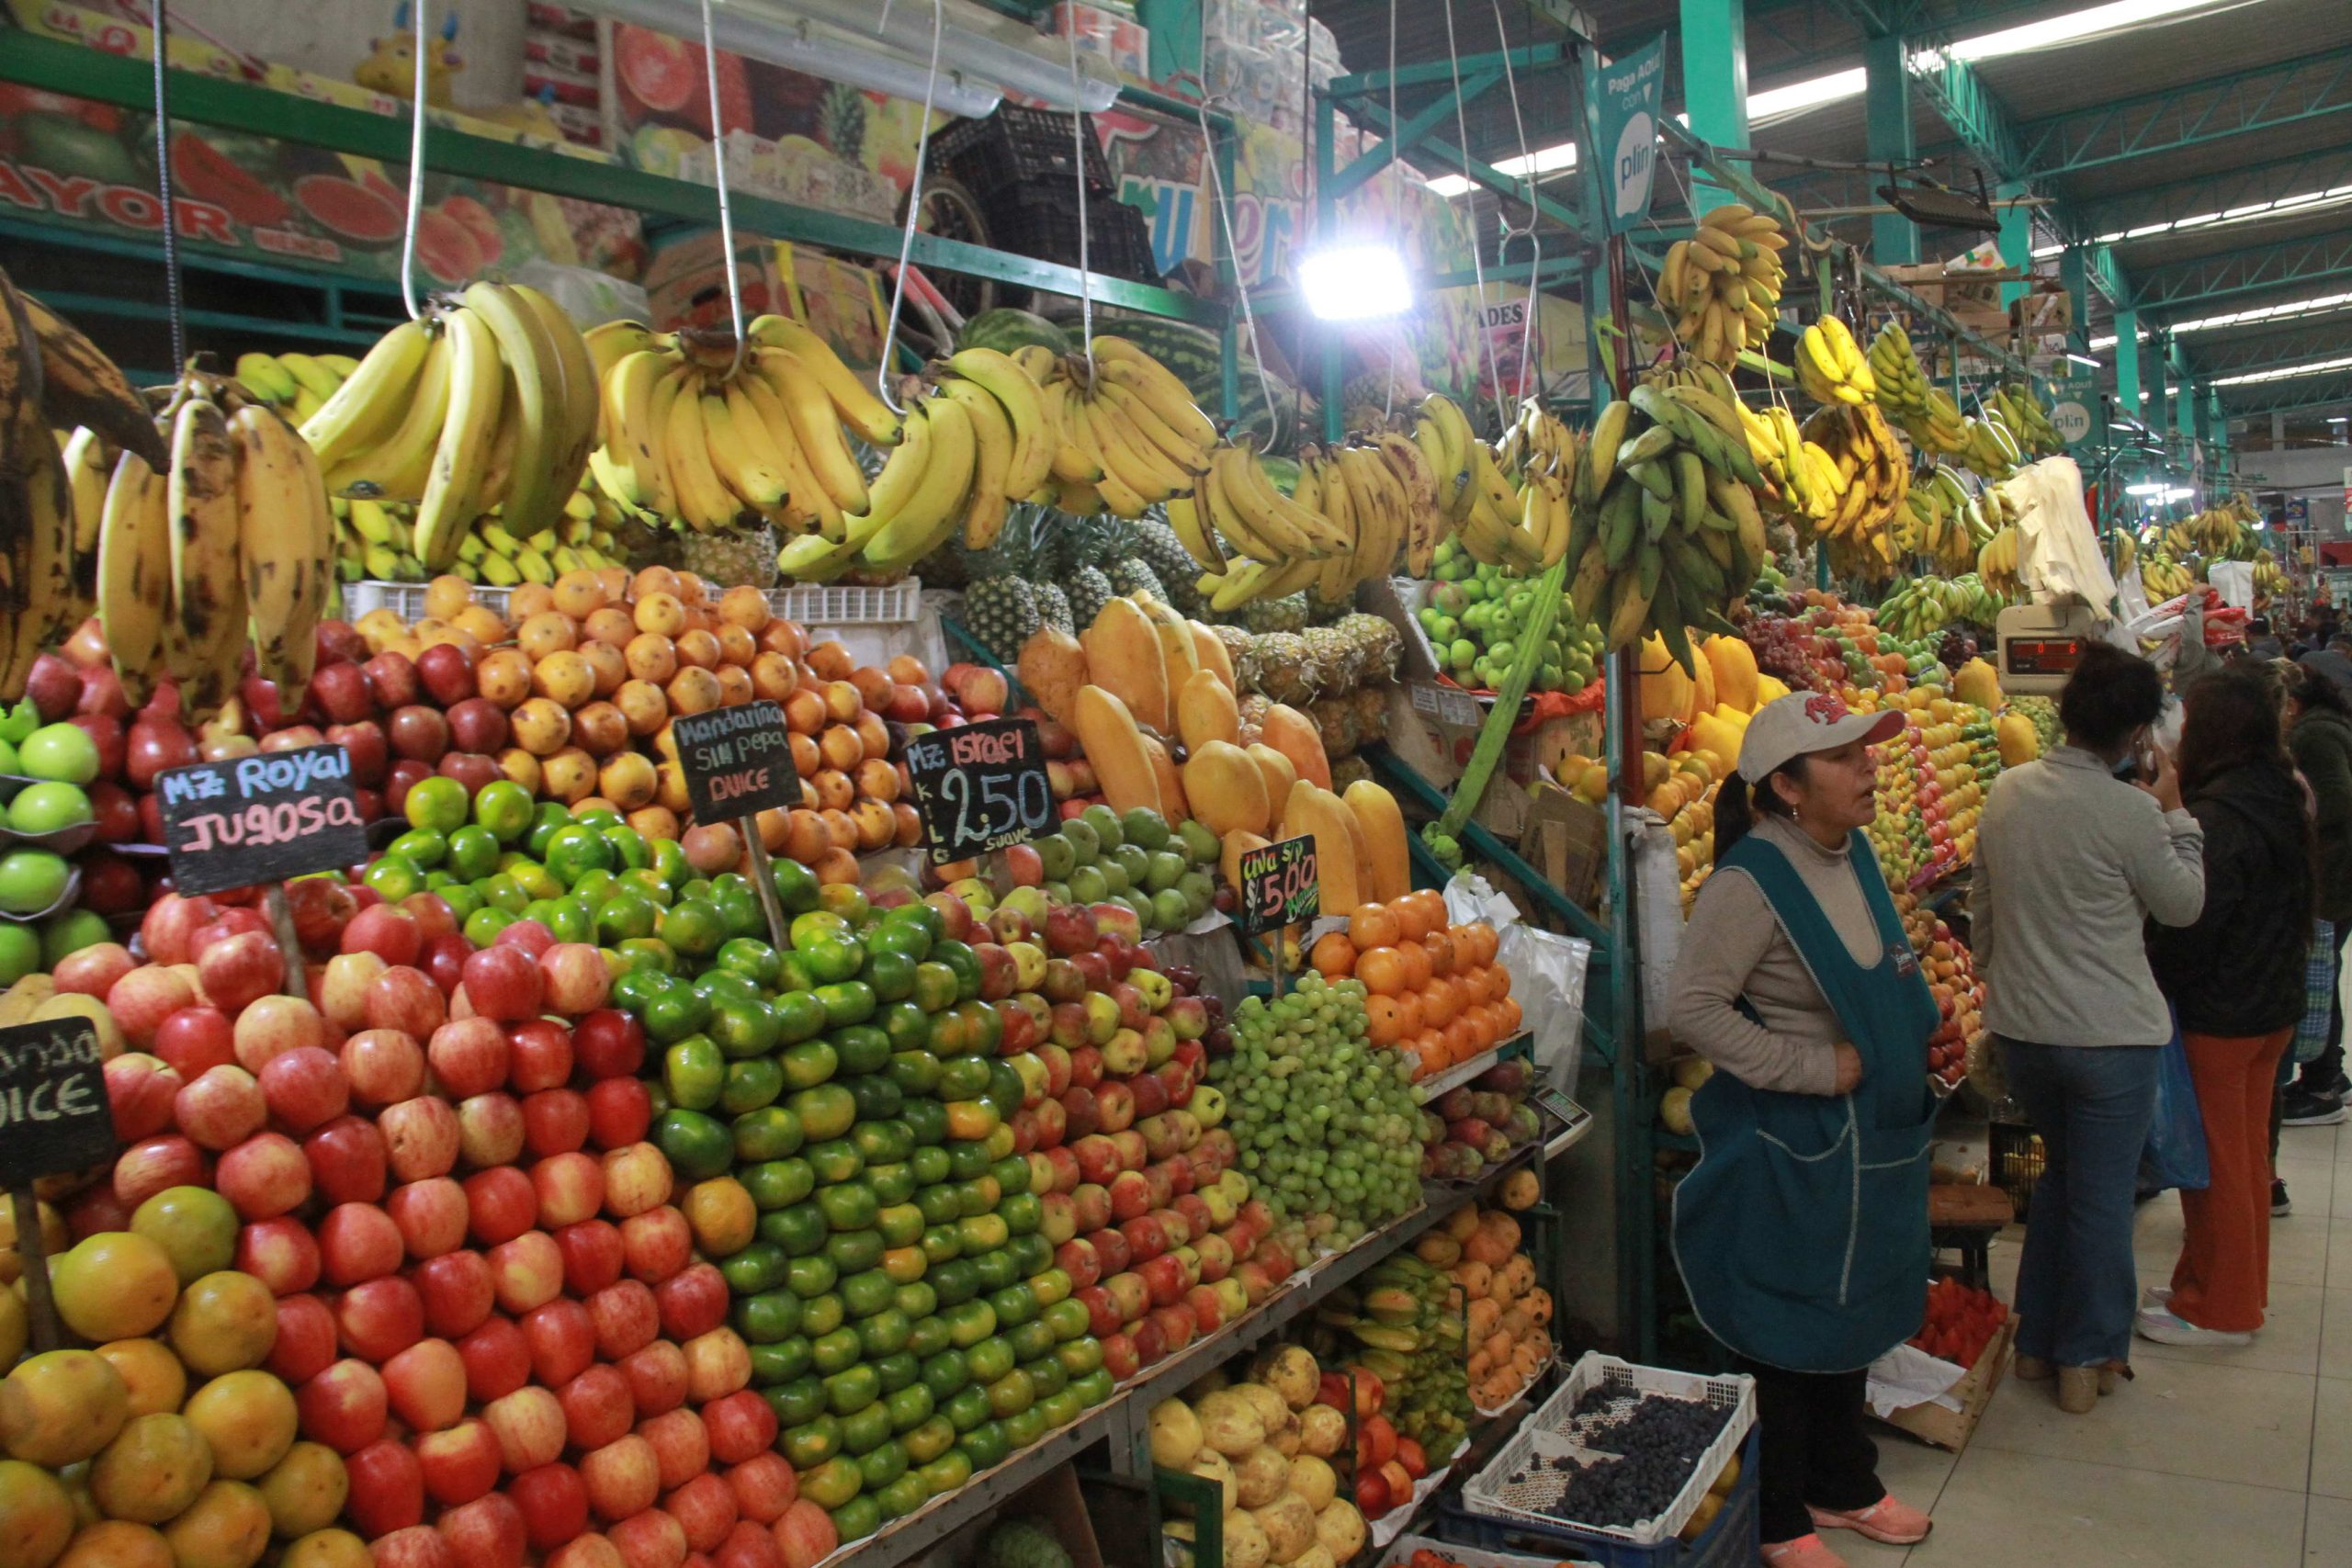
(415, 163)
(161, 26)
(719, 173)
(1085, 265)
(914, 207)
(1478, 266)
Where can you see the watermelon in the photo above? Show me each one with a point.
(1197, 357)
(1005, 330)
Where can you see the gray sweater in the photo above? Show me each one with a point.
(1733, 947)
(2071, 863)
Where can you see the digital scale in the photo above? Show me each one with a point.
(2040, 645)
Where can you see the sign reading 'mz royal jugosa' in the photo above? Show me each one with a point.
(245, 820)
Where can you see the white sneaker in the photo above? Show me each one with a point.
(2158, 1324)
(2156, 1296)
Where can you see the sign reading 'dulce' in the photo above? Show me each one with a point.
(53, 1113)
(738, 761)
(1281, 885)
(246, 821)
(980, 787)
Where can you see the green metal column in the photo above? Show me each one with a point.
(2127, 362)
(2016, 235)
(2073, 271)
(1886, 97)
(1714, 78)
(2159, 414)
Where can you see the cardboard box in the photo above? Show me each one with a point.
(1567, 840)
(1950, 1429)
(1054, 1500)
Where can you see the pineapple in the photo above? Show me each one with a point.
(1335, 721)
(1287, 614)
(840, 121)
(1372, 713)
(1281, 667)
(1089, 590)
(1330, 660)
(1131, 575)
(1053, 607)
(1002, 605)
(1253, 718)
(727, 557)
(1159, 547)
(1320, 610)
(1236, 648)
(1375, 646)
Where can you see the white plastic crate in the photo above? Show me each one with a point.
(1553, 1432)
(1400, 1554)
(826, 605)
(405, 600)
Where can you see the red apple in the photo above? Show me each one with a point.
(380, 1318)
(421, 1138)
(358, 1242)
(555, 1122)
(498, 1359)
(387, 1489)
(554, 1504)
(343, 1406)
(527, 1271)
(458, 1290)
(593, 1256)
(619, 1112)
(694, 1301)
(346, 1159)
(281, 1252)
(598, 1406)
(562, 1339)
(459, 1462)
(657, 1377)
(306, 1340)
(500, 1205)
(530, 1428)
(431, 1213)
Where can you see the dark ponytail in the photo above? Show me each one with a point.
(1738, 803)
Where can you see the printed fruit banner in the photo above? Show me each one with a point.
(86, 163)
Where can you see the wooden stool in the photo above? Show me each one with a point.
(1966, 1218)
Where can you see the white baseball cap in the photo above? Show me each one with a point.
(1805, 722)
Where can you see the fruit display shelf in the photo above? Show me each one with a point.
(1430, 1087)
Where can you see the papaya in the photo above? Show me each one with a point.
(1122, 658)
(1977, 682)
(1226, 788)
(1177, 661)
(2020, 742)
(1770, 688)
(1279, 775)
(1172, 804)
(1289, 731)
(1702, 689)
(1052, 667)
(1339, 859)
(1238, 843)
(1209, 649)
(1205, 711)
(1382, 822)
(1665, 686)
(1107, 733)
(1733, 665)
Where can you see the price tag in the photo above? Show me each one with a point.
(738, 761)
(267, 817)
(980, 787)
(53, 1113)
(1281, 885)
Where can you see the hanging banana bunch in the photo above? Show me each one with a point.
(230, 545)
(1723, 285)
(2027, 420)
(1922, 606)
(1867, 457)
(1997, 563)
(1902, 386)
(1830, 366)
(488, 403)
(1990, 449)
(1131, 436)
(2162, 578)
(2126, 552)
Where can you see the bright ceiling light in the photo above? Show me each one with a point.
(2287, 373)
(2083, 359)
(1774, 103)
(1543, 161)
(1354, 282)
(2143, 490)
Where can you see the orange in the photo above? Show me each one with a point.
(1372, 925)
(1384, 1020)
(1385, 971)
(1462, 1040)
(1486, 940)
(1440, 1001)
(1412, 923)
(1429, 1045)
(1409, 1005)
(1511, 1017)
(1416, 957)
(1334, 956)
(1442, 952)
(1432, 907)
(1481, 1019)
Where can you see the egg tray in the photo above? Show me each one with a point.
(62, 842)
(65, 901)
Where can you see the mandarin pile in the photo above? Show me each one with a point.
(1431, 989)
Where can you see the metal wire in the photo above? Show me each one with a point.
(719, 173)
(1527, 174)
(1085, 268)
(1478, 266)
(914, 208)
(1388, 403)
(415, 169)
(161, 26)
(1225, 217)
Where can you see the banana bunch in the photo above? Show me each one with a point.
(1990, 449)
(1831, 366)
(2027, 421)
(2269, 580)
(232, 544)
(1665, 529)
(488, 402)
(1130, 435)
(1902, 386)
(1875, 471)
(296, 384)
(1937, 427)
(1922, 606)
(1801, 479)
(2220, 532)
(372, 539)
(1452, 450)
(1997, 563)
(2162, 578)
(66, 414)
(1723, 285)
(1955, 523)
(691, 433)
(2125, 551)
(1357, 507)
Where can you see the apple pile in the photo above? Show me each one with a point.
(1474, 1126)
(1165, 873)
(487, 1298)
(1268, 1438)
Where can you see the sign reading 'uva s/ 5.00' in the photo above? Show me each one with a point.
(1281, 885)
(53, 1113)
(245, 820)
(738, 761)
(980, 787)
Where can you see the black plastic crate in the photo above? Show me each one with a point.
(1019, 146)
(1032, 223)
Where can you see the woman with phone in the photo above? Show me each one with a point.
(2075, 854)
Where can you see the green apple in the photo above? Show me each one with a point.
(30, 879)
(47, 807)
(63, 751)
(71, 932)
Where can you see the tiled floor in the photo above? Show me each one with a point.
(2237, 1459)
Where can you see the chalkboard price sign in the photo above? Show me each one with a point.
(980, 787)
(53, 1113)
(1281, 885)
(738, 761)
(246, 821)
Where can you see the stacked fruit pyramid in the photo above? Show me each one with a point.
(1506, 1340)
(1267, 1436)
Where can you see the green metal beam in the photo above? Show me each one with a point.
(2235, 274)
(2149, 124)
(1440, 72)
(1377, 116)
(2225, 190)
(85, 72)
(2290, 345)
(2266, 398)
(2127, 361)
(1409, 135)
(1714, 78)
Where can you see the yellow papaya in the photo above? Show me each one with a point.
(1107, 733)
(1226, 788)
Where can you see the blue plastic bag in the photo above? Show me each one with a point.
(2175, 1153)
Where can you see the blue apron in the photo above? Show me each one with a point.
(1802, 1232)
